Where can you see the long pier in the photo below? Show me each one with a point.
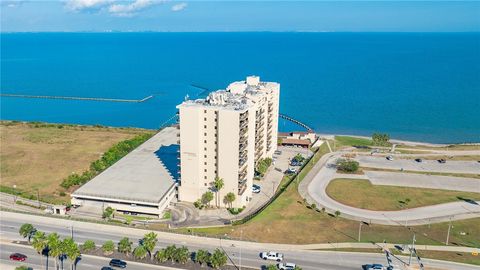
(293, 120)
(78, 98)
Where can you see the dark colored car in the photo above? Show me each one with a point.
(107, 268)
(118, 263)
(18, 257)
(418, 160)
(442, 161)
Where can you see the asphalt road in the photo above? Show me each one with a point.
(414, 216)
(249, 251)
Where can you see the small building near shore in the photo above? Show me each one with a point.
(297, 138)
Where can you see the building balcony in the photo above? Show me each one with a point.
(241, 162)
(241, 189)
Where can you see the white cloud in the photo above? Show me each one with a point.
(80, 5)
(180, 6)
(129, 9)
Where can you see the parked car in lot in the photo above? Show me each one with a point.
(286, 266)
(374, 266)
(272, 255)
(418, 160)
(389, 157)
(256, 188)
(118, 263)
(295, 163)
(291, 171)
(442, 160)
(277, 152)
(18, 257)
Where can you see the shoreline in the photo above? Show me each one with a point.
(321, 135)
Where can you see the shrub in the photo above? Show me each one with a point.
(62, 194)
(88, 246)
(347, 165)
(262, 166)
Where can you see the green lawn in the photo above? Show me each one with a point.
(362, 194)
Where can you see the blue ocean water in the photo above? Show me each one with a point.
(414, 86)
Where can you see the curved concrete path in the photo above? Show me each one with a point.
(313, 189)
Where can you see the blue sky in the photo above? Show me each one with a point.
(192, 16)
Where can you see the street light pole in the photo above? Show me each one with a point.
(359, 231)
(448, 232)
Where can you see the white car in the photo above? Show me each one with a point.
(272, 255)
(256, 188)
(286, 266)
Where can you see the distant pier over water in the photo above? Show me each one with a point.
(78, 98)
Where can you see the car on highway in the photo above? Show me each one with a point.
(374, 266)
(272, 255)
(118, 263)
(418, 160)
(256, 188)
(18, 257)
(442, 160)
(107, 268)
(286, 266)
(389, 157)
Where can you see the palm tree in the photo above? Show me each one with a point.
(39, 243)
(71, 250)
(202, 257)
(140, 252)
(125, 246)
(149, 241)
(229, 198)
(161, 255)
(217, 185)
(108, 247)
(218, 259)
(54, 247)
(182, 254)
(27, 230)
(170, 252)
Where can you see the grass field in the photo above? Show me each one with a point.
(38, 156)
(362, 194)
(467, 175)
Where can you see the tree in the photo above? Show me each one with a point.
(108, 213)
(262, 165)
(271, 267)
(218, 259)
(347, 165)
(380, 139)
(27, 230)
(229, 199)
(217, 185)
(39, 242)
(71, 250)
(88, 246)
(202, 256)
(125, 246)
(161, 255)
(108, 247)
(170, 252)
(140, 252)
(297, 268)
(337, 213)
(207, 197)
(54, 247)
(149, 241)
(182, 254)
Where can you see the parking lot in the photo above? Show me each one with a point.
(472, 167)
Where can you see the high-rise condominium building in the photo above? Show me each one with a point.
(225, 135)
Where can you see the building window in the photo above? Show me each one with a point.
(215, 127)
(205, 126)
(205, 183)
(205, 119)
(205, 111)
(205, 156)
(205, 177)
(205, 141)
(205, 134)
(205, 171)
(205, 148)
(205, 163)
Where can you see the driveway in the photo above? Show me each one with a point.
(415, 216)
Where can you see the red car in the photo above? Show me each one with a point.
(18, 257)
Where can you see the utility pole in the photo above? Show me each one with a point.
(412, 248)
(38, 198)
(359, 231)
(448, 232)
